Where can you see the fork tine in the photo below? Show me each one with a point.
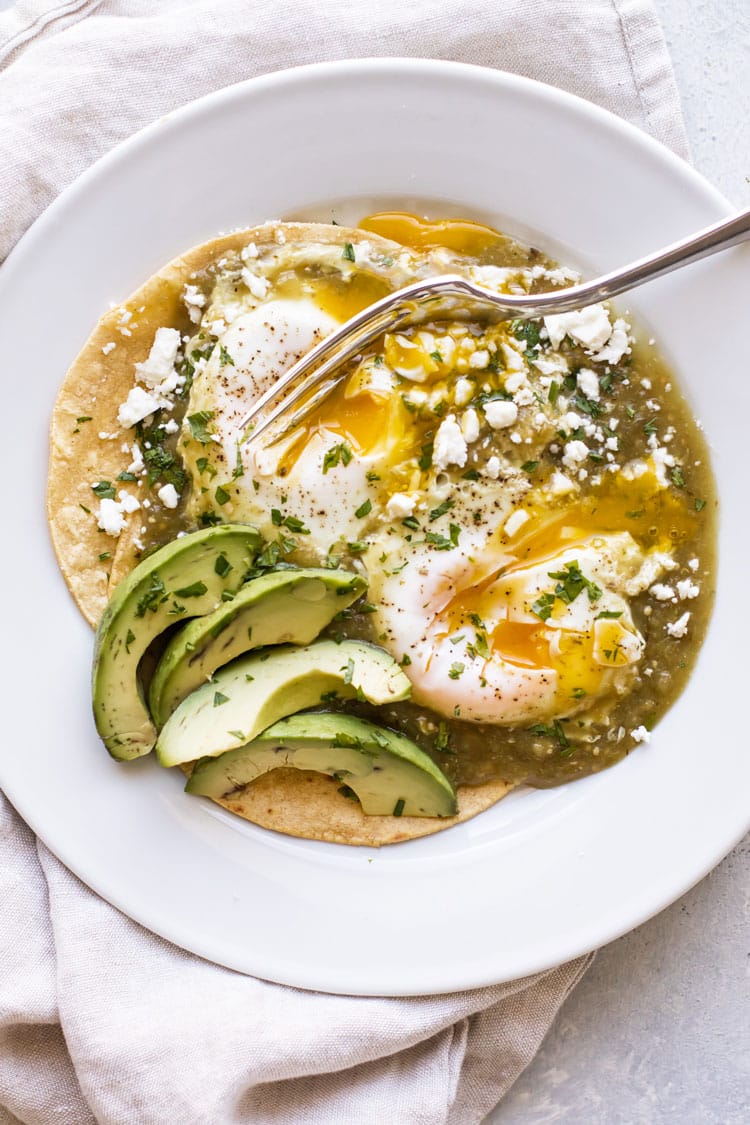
(313, 367)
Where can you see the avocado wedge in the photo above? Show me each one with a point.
(289, 606)
(255, 691)
(185, 578)
(389, 773)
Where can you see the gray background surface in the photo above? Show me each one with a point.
(657, 1032)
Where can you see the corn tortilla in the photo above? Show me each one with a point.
(86, 446)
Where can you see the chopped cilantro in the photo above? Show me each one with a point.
(398, 808)
(199, 425)
(197, 590)
(219, 698)
(364, 509)
(221, 494)
(104, 490)
(126, 476)
(542, 607)
(155, 594)
(340, 453)
(529, 466)
(441, 509)
(348, 252)
(456, 669)
(129, 638)
(425, 457)
(699, 505)
(677, 477)
(222, 566)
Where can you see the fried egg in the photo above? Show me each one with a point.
(503, 588)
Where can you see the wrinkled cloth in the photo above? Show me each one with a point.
(100, 1020)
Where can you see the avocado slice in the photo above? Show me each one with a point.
(277, 608)
(255, 691)
(387, 771)
(185, 578)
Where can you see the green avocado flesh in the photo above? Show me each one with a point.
(390, 775)
(184, 579)
(255, 691)
(290, 606)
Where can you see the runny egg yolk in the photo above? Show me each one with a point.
(460, 235)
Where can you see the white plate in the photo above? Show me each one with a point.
(542, 876)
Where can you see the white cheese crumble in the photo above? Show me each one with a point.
(575, 453)
(500, 414)
(400, 506)
(640, 734)
(249, 252)
(479, 360)
(588, 383)
(590, 327)
(560, 485)
(194, 301)
(137, 406)
(450, 447)
(618, 344)
(110, 517)
(470, 427)
(169, 496)
(110, 347)
(137, 464)
(258, 286)
(128, 503)
(662, 592)
(678, 628)
(462, 391)
(160, 362)
(686, 588)
(492, 468)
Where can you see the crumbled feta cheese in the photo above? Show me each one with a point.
(479, 360)
(137, 406)
(612, 443)
(694, 564)
(551, 364)
(110, 347)
(492, 468)
(678, 628)
(470, 427)
(500, 414)
(450, 447)
(137, 464)
(662, 592)
(110, 517)
(463, 391)
(515, 522)
(588, 383)
(258, 286)
(574, 454)
(560, 485)
(640, 734)
(171, 427)
(524, 397)
(617, 345)
(590, 327)
(160, 362)
(128, 503)
(686, 588)
(250, 251)
(169, 496)
(515, 382)
(400, 506)
(194, 301)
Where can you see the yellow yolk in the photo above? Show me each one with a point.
(339, 297)
(460, 235)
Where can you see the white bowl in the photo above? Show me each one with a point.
(543, 876)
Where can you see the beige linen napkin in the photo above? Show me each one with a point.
(101, 1021)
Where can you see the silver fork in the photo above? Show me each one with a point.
(450, 295)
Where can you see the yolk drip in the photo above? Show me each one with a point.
(460, 235)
